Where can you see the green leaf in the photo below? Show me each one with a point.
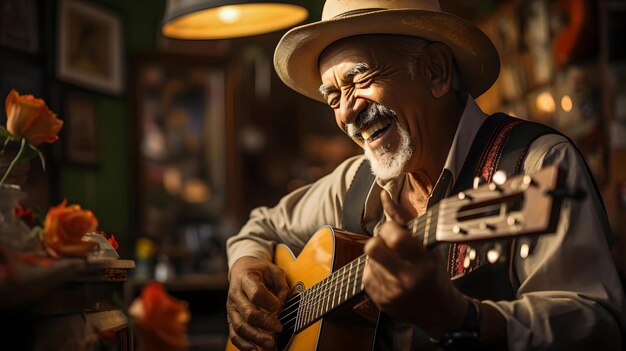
(4, 133)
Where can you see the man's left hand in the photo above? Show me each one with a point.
(407, 281)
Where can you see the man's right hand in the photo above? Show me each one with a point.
(256, 294)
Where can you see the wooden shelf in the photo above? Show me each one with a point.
(33, 281)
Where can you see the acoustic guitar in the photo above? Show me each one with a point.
(327, 293)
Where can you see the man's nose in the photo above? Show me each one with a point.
(350, 108)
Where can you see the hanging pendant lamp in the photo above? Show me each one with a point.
(221, 19)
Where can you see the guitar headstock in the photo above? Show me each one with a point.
(521, 205)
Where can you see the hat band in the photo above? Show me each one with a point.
(357, 12)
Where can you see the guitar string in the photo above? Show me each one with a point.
(311, 300)
(356, 275)
(419, 227)
(334, 284)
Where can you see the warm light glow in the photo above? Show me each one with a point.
(172, 180)
(234, 21)
(545, 102)
(196, 191)
(228, 14)
(566, 103)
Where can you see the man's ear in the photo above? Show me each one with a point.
(440, 68)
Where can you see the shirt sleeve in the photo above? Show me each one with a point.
(296, 217)
(570, 296)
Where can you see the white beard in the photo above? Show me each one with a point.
(386, 165)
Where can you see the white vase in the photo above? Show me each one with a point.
(14, 233)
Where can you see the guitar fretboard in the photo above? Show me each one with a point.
(347, 281)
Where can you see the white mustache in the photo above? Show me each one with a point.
(371, 114)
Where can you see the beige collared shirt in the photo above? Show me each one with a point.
(570, 296)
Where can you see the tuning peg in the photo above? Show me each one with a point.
(466, 261)
(525, 246)
(524, 250)
(575, 194)
(485, 226)
(512, 221)
(458, 230)
(471, 253)
(527, 181)
(495, 187)
(477, 182)
(499, 177)
(463, 196)
(494, 254)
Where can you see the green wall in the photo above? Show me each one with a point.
(108, 188)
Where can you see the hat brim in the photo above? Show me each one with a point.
(297, 54)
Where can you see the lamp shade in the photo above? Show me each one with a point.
(221, 19)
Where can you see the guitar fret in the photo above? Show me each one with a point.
(320, 304)
(428, 216)
(316, 302)
(303, 298)
(334, 285)
(327, 295)
(355, 279)
(349, 281)
(299, 310)
(341, 288)
(309, 305)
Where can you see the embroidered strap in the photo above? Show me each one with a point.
(354, 200)
(501, 144)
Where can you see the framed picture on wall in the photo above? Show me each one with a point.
(90, 46)
(80, 129)
(19, 25)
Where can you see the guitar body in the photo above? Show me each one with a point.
(342, 329)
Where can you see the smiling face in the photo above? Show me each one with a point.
(383, 99)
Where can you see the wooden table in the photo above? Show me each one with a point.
(65, 304)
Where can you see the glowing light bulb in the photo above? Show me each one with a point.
(566, 103)
(545, 102)
(229, 14)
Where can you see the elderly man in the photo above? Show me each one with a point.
(400, 77)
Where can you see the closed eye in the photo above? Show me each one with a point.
(333, 101)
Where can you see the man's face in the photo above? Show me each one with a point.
(378, 103)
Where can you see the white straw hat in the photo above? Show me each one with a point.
(297, 54)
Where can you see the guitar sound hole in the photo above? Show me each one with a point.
(288, 319)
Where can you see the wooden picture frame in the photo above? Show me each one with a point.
(19, 25)
(90, 46)
(80, 138)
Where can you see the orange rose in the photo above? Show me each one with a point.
(30, 118)
(64, 228)
(161, 318)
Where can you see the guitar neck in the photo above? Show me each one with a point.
(488, 212)
(347, 281)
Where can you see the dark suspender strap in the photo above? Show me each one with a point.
(354, 200)
(517, 146)
(489, 136)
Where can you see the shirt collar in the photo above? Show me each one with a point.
(469, 124)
